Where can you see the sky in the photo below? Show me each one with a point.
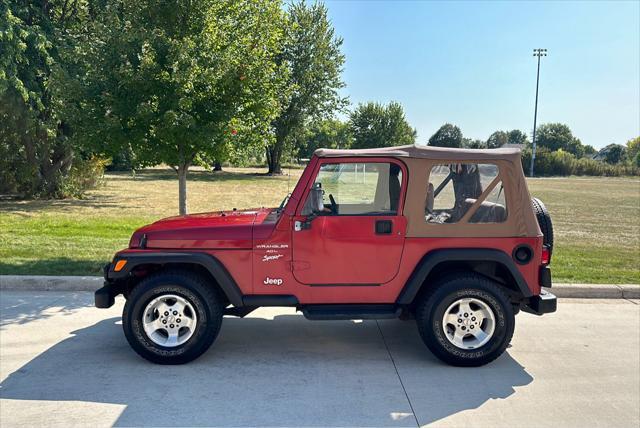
(472, 64)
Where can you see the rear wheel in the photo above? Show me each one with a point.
(466, 320)
(172, 317)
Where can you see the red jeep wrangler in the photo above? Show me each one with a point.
(449, 237)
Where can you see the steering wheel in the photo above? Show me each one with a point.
(334, 206)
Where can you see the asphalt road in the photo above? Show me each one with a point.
(63, 362)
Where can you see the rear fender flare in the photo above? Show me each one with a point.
(207, 261)
(435, 257)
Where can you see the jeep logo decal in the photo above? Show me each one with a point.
(273, 281)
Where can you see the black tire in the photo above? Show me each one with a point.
(544, 220)
(202, 296)
(431, 310)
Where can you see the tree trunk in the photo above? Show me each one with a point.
(182, 170)
(274, 157)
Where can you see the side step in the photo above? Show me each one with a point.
(350, 312)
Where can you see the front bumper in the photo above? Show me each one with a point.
(105, 297)
(545, 303)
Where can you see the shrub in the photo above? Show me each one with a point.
(85, 174)
(561, 163)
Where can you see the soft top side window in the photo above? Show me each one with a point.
(358, 188)
(465, 192)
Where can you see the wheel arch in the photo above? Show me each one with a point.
(205, 264)
(494, 264)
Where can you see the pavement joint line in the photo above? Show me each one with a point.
(397, 373)
(92, 283)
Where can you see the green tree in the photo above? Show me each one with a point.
(497, 139)
(515, 136)
(178, 82)
(311, 54)
(633, 149)
(328, 134)
(376, 125)
(447, 136)
(36, 154)
(556, 136)
(469, 143)
(589, 150)
(613, 154)
(500, 138)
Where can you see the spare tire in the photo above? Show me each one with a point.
(544, 220)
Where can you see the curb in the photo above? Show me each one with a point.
(597, 291)
(49, 283)
(92, 283)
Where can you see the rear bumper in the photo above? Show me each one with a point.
(545, 276)
(545, 303)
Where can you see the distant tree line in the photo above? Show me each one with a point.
(558, 152)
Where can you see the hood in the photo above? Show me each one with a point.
(222, 229)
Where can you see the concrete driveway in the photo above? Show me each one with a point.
(63, 362)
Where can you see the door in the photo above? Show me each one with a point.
(357, 237)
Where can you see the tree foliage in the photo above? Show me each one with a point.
(562, 163)
(37, 156)
(497, 139)
(613, 153)
(376, 125)
(500, 138)
(633, 151)
(469, 143)
(312, 58)
(556, 136)
(447, 136)
(179, 83)
(517, 137)
(329, 134)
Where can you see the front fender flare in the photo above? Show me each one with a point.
(209, 262)
(435, 257)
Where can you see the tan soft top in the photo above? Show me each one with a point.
(427, 152)
(420, 160)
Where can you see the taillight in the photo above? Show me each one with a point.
(546, 255)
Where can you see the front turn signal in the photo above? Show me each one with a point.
(119, 265)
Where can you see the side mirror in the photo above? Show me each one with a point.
(315, 195)
(314, 204)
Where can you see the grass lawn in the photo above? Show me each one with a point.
(596, 220)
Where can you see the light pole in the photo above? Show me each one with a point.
(539, 53)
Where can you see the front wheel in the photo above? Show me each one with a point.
(466, 320)
(172, 317)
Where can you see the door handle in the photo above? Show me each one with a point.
(384, 227)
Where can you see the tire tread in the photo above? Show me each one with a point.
(195, 283)
(431, 299)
